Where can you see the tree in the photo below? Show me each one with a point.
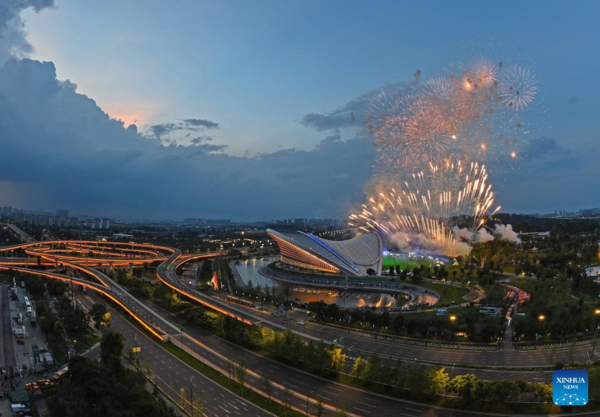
(105, 320)
(342, 411)
(338, 359)
(58, 327)
(500, 391)
(90, 389)
(542, 391)
(267, 386)
(240, 374)
(96, 312)
(111, 348)
(372, 369)
(438, 380)
(286, 399)
(358, 368)
(467, 386)
(398, 323)
(197, 408)
(182, 397)
(319, 409)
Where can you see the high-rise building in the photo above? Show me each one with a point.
(62, 213)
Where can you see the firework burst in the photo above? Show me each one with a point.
(485, 73)
(427, 203)
(517, 87)
(428, 139)
(448, 117)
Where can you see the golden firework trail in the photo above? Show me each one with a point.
(426, 203)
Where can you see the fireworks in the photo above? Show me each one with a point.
(485, 73)
(447, 117)
(426, 204)
(428, 138)
(517, 87)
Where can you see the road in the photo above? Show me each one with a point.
(359, 402)
(361, 345)
(356, 344)
(171, 374)
(21, 234)
(216, 351)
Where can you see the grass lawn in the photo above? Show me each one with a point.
(448, 293)
(525, 284)
(403, 263)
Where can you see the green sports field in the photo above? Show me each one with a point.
(403, 263)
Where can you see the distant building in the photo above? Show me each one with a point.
(62, 213)
(216, 222)
(194, 220)
(122, 236)
(535, 235)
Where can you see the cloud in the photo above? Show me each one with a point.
(199, 139)
(13, 42)
(350, 115)
(201, 123)
(572, 100)
(100, 167)
(160, 130)
(163, 131)
(541, 148)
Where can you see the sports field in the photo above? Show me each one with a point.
(403, 263)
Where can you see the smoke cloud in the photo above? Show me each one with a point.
(483, 236)
(507, 233)
(406, 242)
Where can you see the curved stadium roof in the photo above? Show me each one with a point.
(347, 257)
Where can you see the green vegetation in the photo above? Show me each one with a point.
(433, 385)
(449, 294)
(402, 263)
(106, 388)
(553, 314)
(232, 382)
(394, 378)
(212, 321)
(463, 324)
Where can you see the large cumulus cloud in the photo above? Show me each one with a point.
(13, 42)
(67, 152)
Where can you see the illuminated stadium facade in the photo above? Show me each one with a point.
(359, 256)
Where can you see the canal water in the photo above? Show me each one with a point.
(248, 271)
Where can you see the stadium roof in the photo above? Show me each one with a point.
(359, 256)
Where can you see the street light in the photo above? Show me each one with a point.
(542, 317)
(453, 318)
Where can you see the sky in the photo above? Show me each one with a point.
(243, 109)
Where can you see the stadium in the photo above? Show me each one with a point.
(360, 256)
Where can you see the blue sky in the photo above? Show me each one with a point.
(257, 68)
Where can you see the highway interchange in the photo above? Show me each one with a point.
(171, 373)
